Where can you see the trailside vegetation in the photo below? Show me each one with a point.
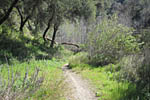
(106, 41)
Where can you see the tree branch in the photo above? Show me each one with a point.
(6, 16)
(20, 13)
(23, 22)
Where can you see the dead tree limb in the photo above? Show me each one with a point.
(65, 43)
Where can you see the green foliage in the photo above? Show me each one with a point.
(135, 68)
(109, 41)
(78, 59)
(105, 81)
(103, 6)
(145, 36)
(128, 80)
(81, 8)
(14, 45)
(25, 55)
(29, 80)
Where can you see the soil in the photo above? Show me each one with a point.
(78, 88)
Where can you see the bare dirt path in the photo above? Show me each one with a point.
(79, 89)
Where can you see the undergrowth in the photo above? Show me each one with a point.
(29, 68)
(107, 79)
(15, 46)
(34, 80)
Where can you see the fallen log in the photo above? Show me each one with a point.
(64, 43)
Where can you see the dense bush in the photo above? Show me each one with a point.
(136, 68)
(78, 59)
(110, 41)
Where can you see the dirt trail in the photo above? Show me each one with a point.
(79, 89)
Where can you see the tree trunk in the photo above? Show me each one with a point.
(54, 35)
(23, 22)
(6, 16)
(48, 25)
(29, 26)
(46, 30)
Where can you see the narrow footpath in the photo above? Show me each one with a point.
(79, 89)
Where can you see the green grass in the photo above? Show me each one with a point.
(29, 68)
(108, 88)
(52, 86)
(106, 79)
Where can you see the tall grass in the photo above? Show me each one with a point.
(42, 80)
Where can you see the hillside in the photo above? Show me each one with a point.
(105, 44)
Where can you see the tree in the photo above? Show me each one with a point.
(54, 34)
(6, 15)
(27, 9)
(51, 13)
(68, 10)
(133, 13)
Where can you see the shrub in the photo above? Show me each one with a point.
(78, 59)
(17, 86)
(110, 41)
(136, 69)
